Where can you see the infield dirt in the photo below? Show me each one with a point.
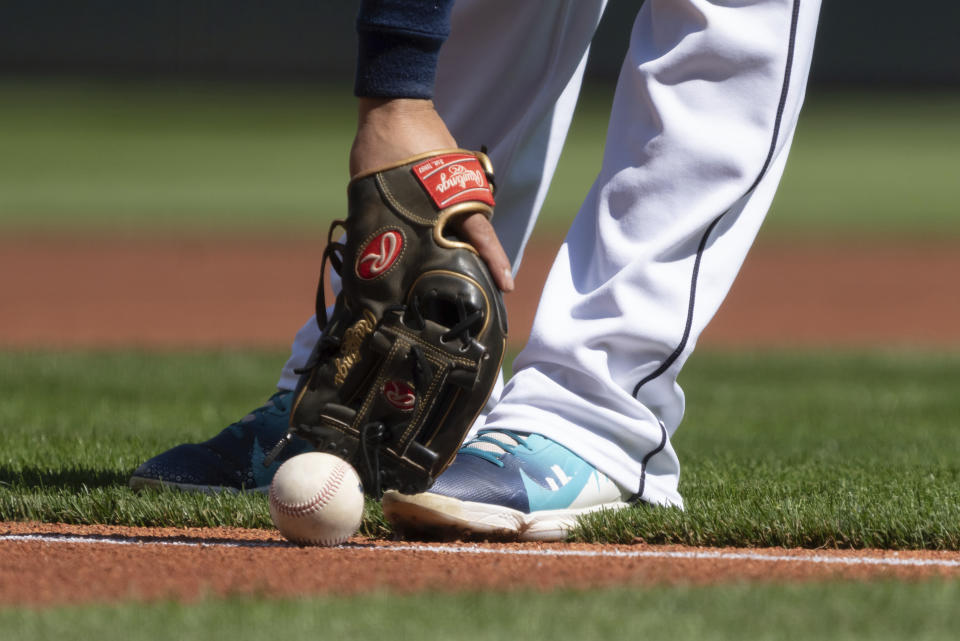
(115, 563)
(175, 293)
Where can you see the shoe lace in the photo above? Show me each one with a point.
(493, 445)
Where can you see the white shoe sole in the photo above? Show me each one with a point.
(438, 515)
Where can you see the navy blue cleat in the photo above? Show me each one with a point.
(231, 461)
(508, 486)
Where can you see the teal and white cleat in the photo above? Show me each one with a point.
(506, 485)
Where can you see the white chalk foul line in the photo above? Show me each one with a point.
(119, 540)
(691, 554)
(721, 555)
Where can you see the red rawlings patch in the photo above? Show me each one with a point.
(400, 395)
(380, 253)
(454, 178)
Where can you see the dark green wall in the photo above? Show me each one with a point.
(880, 41)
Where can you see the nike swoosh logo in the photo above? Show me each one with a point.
(262, 476)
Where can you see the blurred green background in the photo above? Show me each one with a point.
(237, 116)
(190, 156)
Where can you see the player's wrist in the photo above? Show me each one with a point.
(369, 107)
(390, 131)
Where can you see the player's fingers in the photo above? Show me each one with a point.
(478, 231)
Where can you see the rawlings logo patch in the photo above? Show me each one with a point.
(352, 341)
(380, 254)
(400, 395)
(454, 178)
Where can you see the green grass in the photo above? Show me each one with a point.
(846, 450)
(191, 157)
(74, 426)
(841, 611)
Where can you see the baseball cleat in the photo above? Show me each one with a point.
(508, 486)
(231, 461)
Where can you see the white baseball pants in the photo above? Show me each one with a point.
(703, 116)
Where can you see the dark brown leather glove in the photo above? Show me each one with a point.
(414, 344)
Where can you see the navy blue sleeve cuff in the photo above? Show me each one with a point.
(398, 45)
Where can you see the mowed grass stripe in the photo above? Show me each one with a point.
(841, 611)
(793, 449)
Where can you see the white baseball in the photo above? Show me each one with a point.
(316, 499)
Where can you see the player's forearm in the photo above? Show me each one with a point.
(398, 44)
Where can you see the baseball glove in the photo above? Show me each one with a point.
(413, 346)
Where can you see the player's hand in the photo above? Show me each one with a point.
(390, 131)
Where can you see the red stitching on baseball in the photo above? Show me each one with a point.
(322, 497)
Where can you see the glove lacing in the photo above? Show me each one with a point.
(371, 436)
